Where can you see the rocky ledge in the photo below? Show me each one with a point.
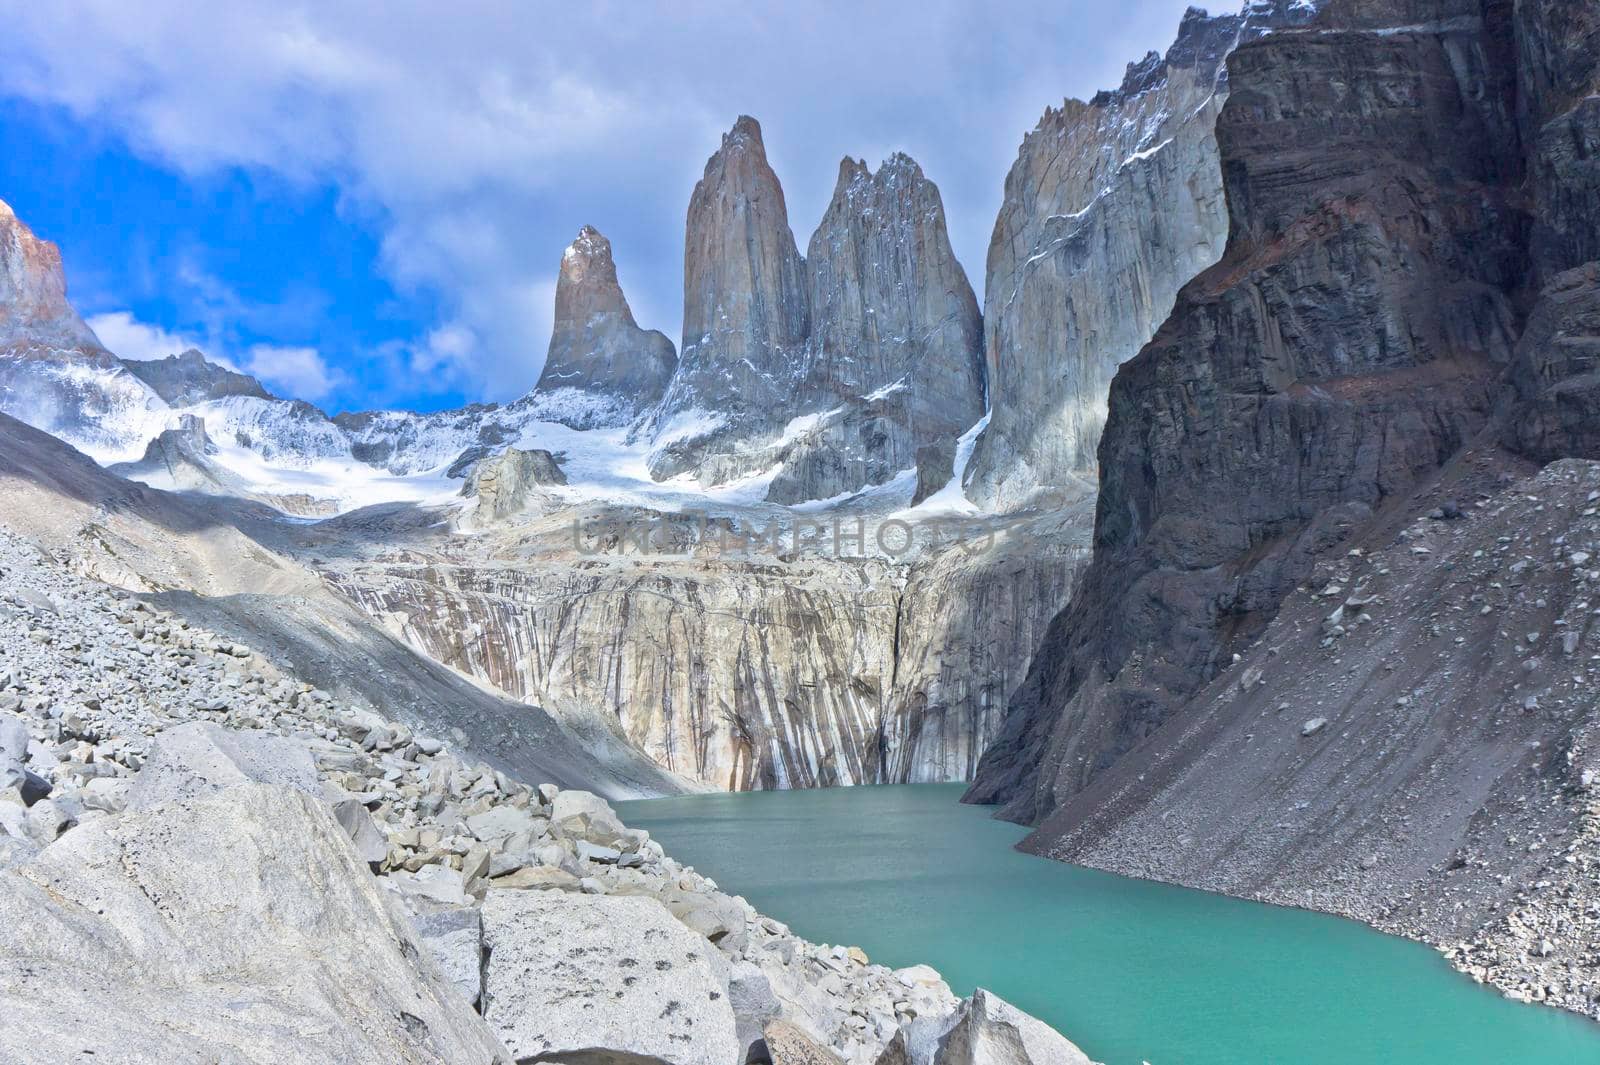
(202, 859)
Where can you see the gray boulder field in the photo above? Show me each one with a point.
(236, 927)
(571, 974)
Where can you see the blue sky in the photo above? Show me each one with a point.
(365, 203)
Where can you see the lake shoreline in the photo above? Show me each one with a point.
(1430, 1010)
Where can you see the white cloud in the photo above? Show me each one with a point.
(297, 371)
(126, 336)
(484, 137)
(294, 371)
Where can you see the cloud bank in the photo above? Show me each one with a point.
(478, 139)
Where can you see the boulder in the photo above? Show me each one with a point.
(238, 926)
(712, 915)
(788, 1044)
(535, 878)
(602, 978)
(500, 822)
(580, 815)
(199, 758)
(453, 938)
(918, 1041)
(990, 1031)
(754, 1004)
(432, 883)
(368, 839)
(14, 771)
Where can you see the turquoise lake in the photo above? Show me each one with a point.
(1129, 970)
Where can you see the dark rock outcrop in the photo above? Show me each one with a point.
(602, 369)
(1556, 374)
(1110, 208)
(1348, 343)
(181, 456)
(189, 378)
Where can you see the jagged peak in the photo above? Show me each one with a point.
(744, 137)
(588, 282)
(5, 210)
(897, 167)
(589, 244)
(851, 171)
(900, 163)
(746, 128)
(742, 142)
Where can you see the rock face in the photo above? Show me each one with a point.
(746, 311)
(575, 977)
(1110, 208)
(602, 369)
(984, 1030)
(233, 925)
(506, 483)
(836, 369)
(1557, 412)
(34, 311)
(968, 624)
(895, 332)
(1454, 758)
(54, 372)
(188, 378)
(739, 672)
(738, 675)
(199, 759)
(1343, 349)
(1287, 477)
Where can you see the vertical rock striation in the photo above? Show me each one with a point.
(1111, 206)
(602, 369)
(1347, 345)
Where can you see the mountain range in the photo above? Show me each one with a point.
(1253, 514)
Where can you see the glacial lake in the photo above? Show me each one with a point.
(1131, 971)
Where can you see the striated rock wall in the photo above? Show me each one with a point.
(1110, 208)
(601, 369)
(968, 626)
(737, 675)
(738, 672)
(1556, 374)
(895, 333)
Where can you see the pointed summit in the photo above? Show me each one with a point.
(601, 369)
(896, 344)
(744, 296)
